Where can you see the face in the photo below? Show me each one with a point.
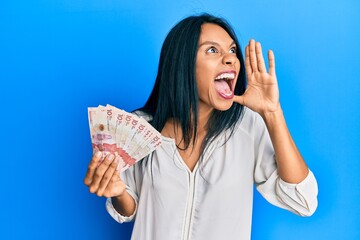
(217, 68)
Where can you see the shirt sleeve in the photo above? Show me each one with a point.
(132, 179)
(300, 198)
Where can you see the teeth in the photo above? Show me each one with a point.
(225, 75)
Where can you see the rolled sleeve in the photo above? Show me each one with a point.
(300, 198)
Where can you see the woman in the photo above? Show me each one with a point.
(220, 137)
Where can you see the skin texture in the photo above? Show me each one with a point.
(215, 54)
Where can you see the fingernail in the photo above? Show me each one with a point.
(118, 167)
(98, 154)
(111, 157)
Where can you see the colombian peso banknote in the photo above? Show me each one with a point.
(121, 133)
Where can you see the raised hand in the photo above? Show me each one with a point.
(103, 178)
(262, 92)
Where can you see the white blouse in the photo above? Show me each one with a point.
(214, 201)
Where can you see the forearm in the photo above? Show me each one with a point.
(291, 166)
(124, 204)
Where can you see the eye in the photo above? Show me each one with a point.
(212, 50)
(232, 50)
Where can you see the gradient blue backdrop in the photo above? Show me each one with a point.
(58, 57)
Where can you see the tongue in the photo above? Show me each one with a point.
(222, 87)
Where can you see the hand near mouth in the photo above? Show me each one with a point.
(262, 92)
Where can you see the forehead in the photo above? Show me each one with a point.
(214, 33)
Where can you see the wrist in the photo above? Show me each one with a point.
(124, 204)
(119, 197)
(272, 114)
(274, 119)
(117, 200)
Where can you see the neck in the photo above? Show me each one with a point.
(204, 114)
(173, 129)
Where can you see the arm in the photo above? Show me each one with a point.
(262, 96)
(124, 204)
(291, 166)
(291, 186)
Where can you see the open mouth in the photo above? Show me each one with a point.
(224, 84)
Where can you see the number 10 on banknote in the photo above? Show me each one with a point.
(121, 133)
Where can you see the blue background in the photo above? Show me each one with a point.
(58, 57)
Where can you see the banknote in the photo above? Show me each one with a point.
(122, 133)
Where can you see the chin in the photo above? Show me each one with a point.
(223, 106)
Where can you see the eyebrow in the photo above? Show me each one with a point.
(213, 43)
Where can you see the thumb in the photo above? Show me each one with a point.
(239, 99)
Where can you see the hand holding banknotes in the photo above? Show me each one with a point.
(119, 140)
(103, 177)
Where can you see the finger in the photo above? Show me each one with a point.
(271, 58)
(253, 60)
(99, 173)
(109, 191)
(92, 167)
(247, 62)
(107, 177)
(260, 58)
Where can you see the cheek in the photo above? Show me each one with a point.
(203, 78)
(203, 86)
(237, 65)
(200, 70)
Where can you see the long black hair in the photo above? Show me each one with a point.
(175, 92)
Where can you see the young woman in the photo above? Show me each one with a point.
(220, 137)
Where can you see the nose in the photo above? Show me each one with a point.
(229, 59)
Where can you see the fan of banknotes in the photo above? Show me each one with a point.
(121, 133)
